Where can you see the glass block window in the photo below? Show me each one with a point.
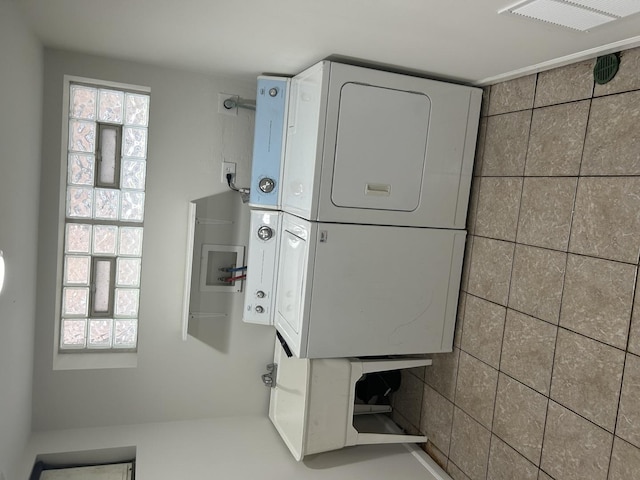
(106, 164)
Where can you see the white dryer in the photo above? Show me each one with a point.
(374, 147)
(362, 290)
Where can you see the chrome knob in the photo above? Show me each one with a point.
(265, 233)
(267, 185)
(273, 91)
(259, 309)
(260, 294)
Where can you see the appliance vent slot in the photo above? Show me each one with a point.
(581, 15)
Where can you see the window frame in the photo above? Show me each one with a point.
(72, 359)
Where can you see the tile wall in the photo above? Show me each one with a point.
(544, 379)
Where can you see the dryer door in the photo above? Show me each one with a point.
(381, 148)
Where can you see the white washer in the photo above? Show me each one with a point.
(374, 147)
(361, 290)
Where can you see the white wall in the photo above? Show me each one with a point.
(20, 122)
(233, 448)
(174, 380)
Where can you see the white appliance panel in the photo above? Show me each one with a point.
(262, 268)
(371, 290)
(305, 122)
(374, 124)
(320, 151)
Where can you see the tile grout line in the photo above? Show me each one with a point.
(513, 261)
(555, 347)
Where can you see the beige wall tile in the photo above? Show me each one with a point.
(587, 377)
(442, 373)
(574, 448)
(628, 76)
(546, 209)
(437, 417)
(543, 476)
(507, 464)
(628, 426)
(498, 207)
(408, 399)
(512, 95)
(536, 282)
(482, 335)
(557, 139)
(469, 445)
(490, 270)
(597, 298)
(634, 331)
(565, 84)
(476, 388)
(505, 146)
(433, 451)
(455, 473)
(613, 141)
(528, 349)
(606, 221)
(625, 461)
(519, 417)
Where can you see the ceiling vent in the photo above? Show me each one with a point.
(580, 15)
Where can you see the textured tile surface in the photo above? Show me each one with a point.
(469, 445)
(629, 416)
(597, 298)
(455, 473)
(536, 282)
(505, 145)
(519, 418)
(437, 416)
(634, 331)
(587, 377)
(612, 144)
(516, 94)
(625, 461)
(557, 139)
(440, 458)
(628, 76)
(476, 388)
(498, 207)
(528, 349)
(545, 218)
(441, 374)
(606, 221)
(543, 476)
(490, 271)
(565, 84)
(507, 464)
(574, 448)
(482, 335)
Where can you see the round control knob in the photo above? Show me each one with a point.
(265, 233)
(259, 309)
(260, 294)
(273, 91)
(267, 185)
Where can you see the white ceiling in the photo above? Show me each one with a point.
(458, 39)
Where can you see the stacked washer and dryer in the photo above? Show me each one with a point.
(360, 187)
